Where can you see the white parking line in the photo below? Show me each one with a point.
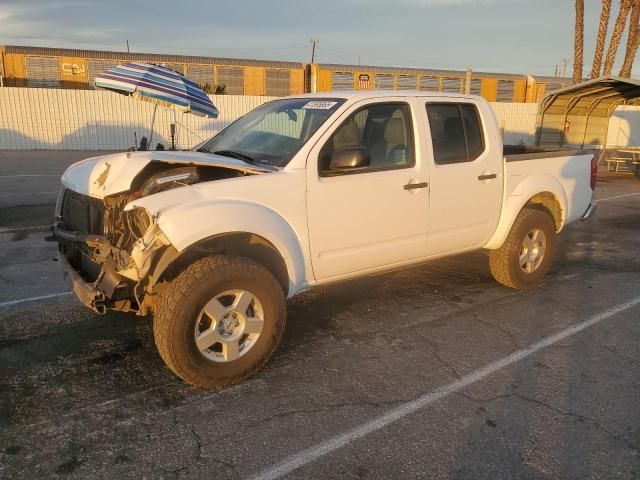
(24, 229)
(617, 196)
(25, 194)
(31, 175)
(304, 457)
(33, 299)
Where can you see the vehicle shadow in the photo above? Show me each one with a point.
(53, 367)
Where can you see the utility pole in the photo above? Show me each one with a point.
(127, 45)
(565, 61)
(313, 49)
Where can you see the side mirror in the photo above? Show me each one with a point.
(346, 158)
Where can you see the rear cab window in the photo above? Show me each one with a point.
(457, 132)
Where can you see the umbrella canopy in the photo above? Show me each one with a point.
(159, 85)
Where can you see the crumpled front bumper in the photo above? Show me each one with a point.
(98, 295)
(105, 277)
(86, 292)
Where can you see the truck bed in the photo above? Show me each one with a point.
(572, 168)
(515, 153)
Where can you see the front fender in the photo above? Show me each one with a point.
(187, 224)
(518, 197)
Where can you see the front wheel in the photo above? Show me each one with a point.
(526, 255)
(219, 321)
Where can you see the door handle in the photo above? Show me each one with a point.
(411, 186)
(487, 176)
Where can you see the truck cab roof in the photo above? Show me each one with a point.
(370, 94)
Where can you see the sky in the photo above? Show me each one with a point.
(512, 36)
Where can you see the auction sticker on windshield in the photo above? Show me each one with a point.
(319, 105)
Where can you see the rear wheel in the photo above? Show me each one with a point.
(219, 321)
(526, 255)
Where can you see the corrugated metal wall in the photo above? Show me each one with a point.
(277, 82)
(343, 81)
(97, 68)
(43, 72)
(98, 120)
(232, 78)
(201, 74)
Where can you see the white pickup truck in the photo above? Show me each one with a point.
(299, 192)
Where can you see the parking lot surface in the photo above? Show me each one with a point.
(430, 372)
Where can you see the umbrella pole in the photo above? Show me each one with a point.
(173, 130)
(153, 120)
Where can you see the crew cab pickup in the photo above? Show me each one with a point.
(303, 191)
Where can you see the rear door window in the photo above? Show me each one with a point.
(456, 132)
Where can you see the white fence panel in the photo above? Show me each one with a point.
(58, 119)
(624, 127)
(517, 122)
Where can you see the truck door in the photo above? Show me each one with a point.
(466, 175)
(370, 216)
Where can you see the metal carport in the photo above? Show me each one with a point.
(578, 115)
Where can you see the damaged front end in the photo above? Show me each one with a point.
(105, 252)
(110, 251)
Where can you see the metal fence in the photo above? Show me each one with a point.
(41, 118)
(58, 119)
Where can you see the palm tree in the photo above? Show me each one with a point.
(602, 37)
(625, 6)
(578, 45)
(633, 39)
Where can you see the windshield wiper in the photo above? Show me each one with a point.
(245, 158)
(239, 155)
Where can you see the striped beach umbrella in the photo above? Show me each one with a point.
(159, 85)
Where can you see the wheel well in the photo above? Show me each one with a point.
(245, 245)
(548, 202)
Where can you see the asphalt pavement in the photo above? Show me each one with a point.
(430, 372)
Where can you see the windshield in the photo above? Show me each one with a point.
(274, 132)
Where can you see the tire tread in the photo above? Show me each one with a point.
(500, 259)
(174, 294)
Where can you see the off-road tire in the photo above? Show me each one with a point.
(503, 262)
(181, 301)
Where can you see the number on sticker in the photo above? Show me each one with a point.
(319, 105)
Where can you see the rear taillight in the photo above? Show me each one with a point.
(594, 171)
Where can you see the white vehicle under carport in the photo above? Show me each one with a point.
(300, 192)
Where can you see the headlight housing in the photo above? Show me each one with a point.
(173, 178)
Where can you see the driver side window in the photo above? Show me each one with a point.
(383, 130)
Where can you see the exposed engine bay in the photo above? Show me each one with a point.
(108, 252)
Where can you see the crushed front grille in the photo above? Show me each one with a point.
(81, 213)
